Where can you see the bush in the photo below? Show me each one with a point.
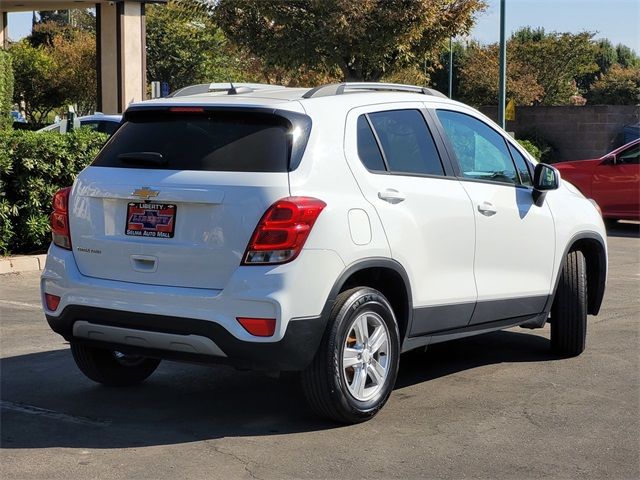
(546, 152)
(6, 90)
(531, 148)
(33, 166)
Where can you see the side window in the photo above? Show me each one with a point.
(630, 156)
(481, 152)
(521, 165)
(368, 150)
(406, 142)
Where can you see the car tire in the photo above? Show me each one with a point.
(110, 367)
(569, 310)
(355, 367)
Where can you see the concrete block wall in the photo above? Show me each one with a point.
(589, 131)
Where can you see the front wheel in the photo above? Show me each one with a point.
(569, 310)
(355, 367)
(111, 367)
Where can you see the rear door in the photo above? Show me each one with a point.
(173, 197)
(427, 216)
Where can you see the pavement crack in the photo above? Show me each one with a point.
(245, 464)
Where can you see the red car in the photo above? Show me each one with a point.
(613, 181)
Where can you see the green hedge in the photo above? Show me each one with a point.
(6, 89)
(33, 166)
(531, 148)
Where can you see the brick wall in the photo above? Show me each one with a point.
(576, 132)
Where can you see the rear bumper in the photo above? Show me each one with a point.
(295, 294)
(293, 352)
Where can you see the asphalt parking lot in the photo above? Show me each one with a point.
(494, 406)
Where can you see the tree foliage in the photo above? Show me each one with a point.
(6, 89)
(620, 86)
(185, 47)
(36, 80)
(556, 60)
(542, 68)
(55, 66)
(479, 77)
(364, 40)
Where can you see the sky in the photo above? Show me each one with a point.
(617, 20)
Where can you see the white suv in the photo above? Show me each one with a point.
(324, 231)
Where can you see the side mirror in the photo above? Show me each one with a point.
(545, 178)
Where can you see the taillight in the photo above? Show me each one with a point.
(283, 230)
(60, 219)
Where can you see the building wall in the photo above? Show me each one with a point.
(575, 132)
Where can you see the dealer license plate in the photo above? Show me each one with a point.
(149, 219)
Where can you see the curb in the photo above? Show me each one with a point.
(22, 263)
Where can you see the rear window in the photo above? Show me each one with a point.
(210, 140)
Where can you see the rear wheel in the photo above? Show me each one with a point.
(111, 367)
(569, 310)
(355, 368)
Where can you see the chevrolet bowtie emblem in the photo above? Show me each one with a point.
(145, 193)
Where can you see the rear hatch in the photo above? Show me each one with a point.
(174, 196)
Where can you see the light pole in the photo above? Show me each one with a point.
(502, 91)
(450, 67)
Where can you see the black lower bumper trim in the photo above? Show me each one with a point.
(294, 352)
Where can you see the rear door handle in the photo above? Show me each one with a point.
(487, 209)
(391, 195)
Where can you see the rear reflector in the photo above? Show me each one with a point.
(283, 230)
(258, 327)
(52, 301)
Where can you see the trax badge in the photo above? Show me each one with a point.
(145, 193)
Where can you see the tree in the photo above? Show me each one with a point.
(185, 47)
(75, 60)
(365, 40)
(620, 86)
(479, 77)
(556, 60)
(626, 57)
(605, 55)
(36, 80)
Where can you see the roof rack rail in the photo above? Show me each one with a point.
(339, 89)
(230, 88)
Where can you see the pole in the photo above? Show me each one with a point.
(450, 67)
(502, 92)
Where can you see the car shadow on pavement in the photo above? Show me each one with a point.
(624, 229)
(46, 402)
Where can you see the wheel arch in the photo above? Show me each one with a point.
(385, 275)
(592, 246)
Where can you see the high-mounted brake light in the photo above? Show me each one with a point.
(60, 219)
(282, 231)
(186, 109)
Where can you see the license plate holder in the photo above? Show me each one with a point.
(151, 219)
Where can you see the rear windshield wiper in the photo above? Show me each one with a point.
(141, 158)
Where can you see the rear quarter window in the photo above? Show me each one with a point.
(209, 141)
